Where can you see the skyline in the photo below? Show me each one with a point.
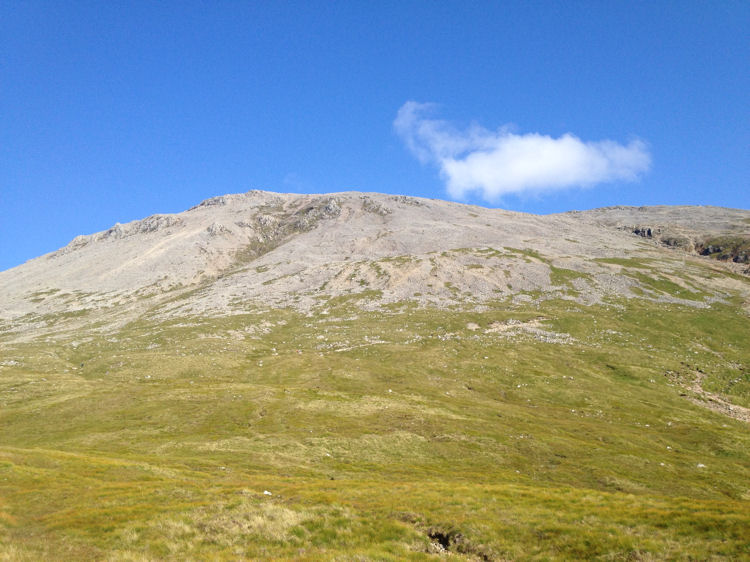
(111, 113)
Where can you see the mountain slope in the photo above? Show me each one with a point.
(233, 251)
(362, 376)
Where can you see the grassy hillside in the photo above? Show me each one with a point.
(550, 430)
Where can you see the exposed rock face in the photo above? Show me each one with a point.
(734, 248)
(375, 207)
(149, 224)
(308, 218)
(217, 229)
(721, 233)
(646, 231)
(260, 249)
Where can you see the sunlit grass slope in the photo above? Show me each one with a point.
(383, 435)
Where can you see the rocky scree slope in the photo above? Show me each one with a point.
(234, 253)
(720, 233)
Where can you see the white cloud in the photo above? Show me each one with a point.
(501, 162)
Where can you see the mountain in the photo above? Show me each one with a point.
(367, 376)
(236, 251)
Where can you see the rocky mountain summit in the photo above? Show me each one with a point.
(238, 252)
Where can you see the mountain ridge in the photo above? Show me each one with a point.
(239, 250)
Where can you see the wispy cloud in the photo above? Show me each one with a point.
(501, 162)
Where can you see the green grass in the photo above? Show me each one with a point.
(659, 284)
(561, 276)
(374, 431)
(625, 262)
(528, 254)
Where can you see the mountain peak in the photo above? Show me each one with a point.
(260, 248)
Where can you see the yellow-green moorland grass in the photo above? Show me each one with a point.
(542, 431)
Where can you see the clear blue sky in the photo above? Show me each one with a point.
(112, 111)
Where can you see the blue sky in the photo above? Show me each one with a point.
(112, 111)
